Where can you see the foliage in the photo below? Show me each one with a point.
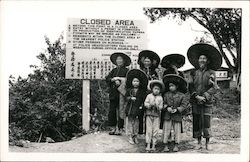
(223, 24)
(45, 104)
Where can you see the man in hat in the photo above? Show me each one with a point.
(116, 83)
(205, 58)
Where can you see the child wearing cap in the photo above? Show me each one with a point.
(136, 85)
(154, 105)
(115, 80)
(175, 103)
(148, 62)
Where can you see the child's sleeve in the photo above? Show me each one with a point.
(165, 103)
(147, 101)
(183, 103)
(160, 106)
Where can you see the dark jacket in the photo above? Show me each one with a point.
(116, 72)
(172, 71)
(133, 107)
(200, 85)
(177, 101)
(151, 73)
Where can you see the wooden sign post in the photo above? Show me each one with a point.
(85, 104)
(90, 42)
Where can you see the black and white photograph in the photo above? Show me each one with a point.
(124, 80)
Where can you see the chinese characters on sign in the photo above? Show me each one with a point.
(90, 42)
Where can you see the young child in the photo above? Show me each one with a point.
(136, 86)
(115, 80)
(171, 63)
(175, 102)
(153, 104)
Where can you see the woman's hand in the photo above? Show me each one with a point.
(133, 98)
(174, 111)
(200, 98)
(117, 82)
(170, 109)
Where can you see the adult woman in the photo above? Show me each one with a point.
(148, 62)
(116, 83)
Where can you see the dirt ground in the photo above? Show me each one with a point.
(226, 139)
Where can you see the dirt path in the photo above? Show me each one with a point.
(226, 139)
(104, 143)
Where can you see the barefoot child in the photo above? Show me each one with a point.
(153, 104)
(136, 86)
(175, 102)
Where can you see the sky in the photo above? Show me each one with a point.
(25, 23)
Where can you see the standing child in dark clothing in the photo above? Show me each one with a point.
(175, 102)
(171, 62)
(136, 85)
(115, 80)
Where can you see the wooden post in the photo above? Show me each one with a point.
(85, 104)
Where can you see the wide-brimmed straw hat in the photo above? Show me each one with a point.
(139, 74)
(154, 57)
(177, 80)
(178, 59)
(127, 60)
(152, 83)
(213, 55)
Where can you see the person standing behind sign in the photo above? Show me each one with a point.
(205, 58)
(148, 62)
(136, 85)
(116, 82)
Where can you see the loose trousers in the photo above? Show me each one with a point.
(133, 126)
(169, 125)
(152, 128)
(201, 126)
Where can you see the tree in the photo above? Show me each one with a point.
(222, 23)
(45, 104)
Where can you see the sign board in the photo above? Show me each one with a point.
(221, 74)
(90, 42)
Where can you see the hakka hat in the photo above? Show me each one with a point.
(127, 60)
(151, 55)
(152, 83)
(139, 74)
(213, 55)
(175, 79)
(177, 58)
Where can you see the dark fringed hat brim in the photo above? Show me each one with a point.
(127, 60)
(139, 74)
(178, 59)
(151, 55)
(175, 79)
(213, 55)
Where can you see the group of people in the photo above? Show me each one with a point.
(145, 101)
